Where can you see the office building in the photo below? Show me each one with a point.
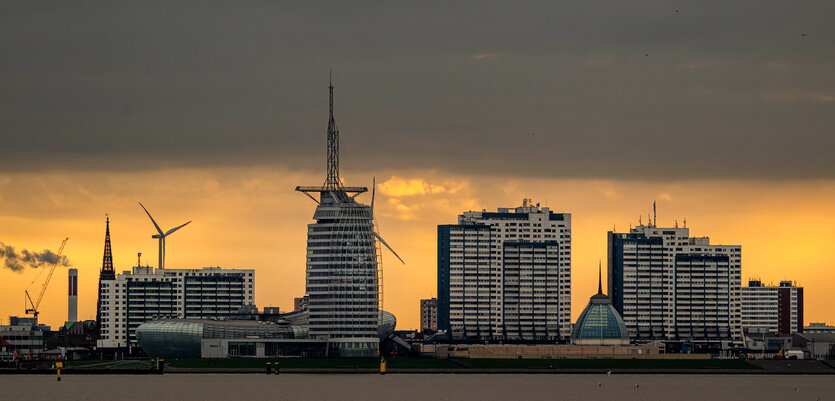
(506, 275)
(429, 315)
(669, 286)
(22, 340)
(772, 309)
(144, 294)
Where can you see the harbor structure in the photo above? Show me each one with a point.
(506, 275)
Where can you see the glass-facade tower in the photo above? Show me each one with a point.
(342, 280)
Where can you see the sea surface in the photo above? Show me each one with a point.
(246, 387)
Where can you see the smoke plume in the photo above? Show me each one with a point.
(18, 261)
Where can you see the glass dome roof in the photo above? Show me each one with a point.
(600, 321)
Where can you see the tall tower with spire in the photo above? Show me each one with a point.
(343, 282)
(107, 272)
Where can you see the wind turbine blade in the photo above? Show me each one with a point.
(373, 191)
(175, 229)
(152, 219)
(387, 246)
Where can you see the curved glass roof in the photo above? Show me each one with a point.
(600, 321)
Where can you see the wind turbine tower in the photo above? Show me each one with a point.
(161, 236)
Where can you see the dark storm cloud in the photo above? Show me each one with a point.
(17, 261)
(645, 90)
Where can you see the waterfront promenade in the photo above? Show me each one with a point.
(370, 387)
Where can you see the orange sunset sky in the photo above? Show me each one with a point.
(721, 112)
(252, 218)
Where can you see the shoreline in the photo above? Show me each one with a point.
(364, 371)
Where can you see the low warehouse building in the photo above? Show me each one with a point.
(200, 338)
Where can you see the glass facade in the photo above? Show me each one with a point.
(600, 321)
(172, 339)
(600, 324)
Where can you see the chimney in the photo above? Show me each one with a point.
(72, 300)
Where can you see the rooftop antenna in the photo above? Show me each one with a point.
(640, 223)
(161, 236)
(685, 222)
(332, 187)
(332, 182)
(676, 223)
(654, 217)
(139, 259)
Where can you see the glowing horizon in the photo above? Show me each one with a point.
(252, 218)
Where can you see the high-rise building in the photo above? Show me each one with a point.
(669, 286)
(429, 315)
(506, 275)
(342, 282)
(107, 273)
(144, 294)
(771, 309)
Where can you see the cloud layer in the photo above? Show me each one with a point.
(646, 90)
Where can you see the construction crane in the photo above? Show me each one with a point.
(33, 306)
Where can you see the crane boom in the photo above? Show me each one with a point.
(35, 305)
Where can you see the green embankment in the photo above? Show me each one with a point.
(109, 364)
(643, 364)
(487, 364)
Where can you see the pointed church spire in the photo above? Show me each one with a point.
(599, 277)
(107, 272)
(107, 260)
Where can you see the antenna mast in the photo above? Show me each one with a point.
(654, 217)
(332, 182)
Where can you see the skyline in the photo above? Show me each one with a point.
(223, 236)
(213, 113)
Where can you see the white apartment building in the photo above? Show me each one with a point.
(772, 309)
(21, 340)
(145, 293)
(669, 286)
(429, 314)
(506, 275)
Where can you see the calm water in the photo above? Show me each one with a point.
(417, 387)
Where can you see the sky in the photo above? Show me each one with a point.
(213, 112)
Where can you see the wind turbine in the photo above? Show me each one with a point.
(161, 236)
(373, 192)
